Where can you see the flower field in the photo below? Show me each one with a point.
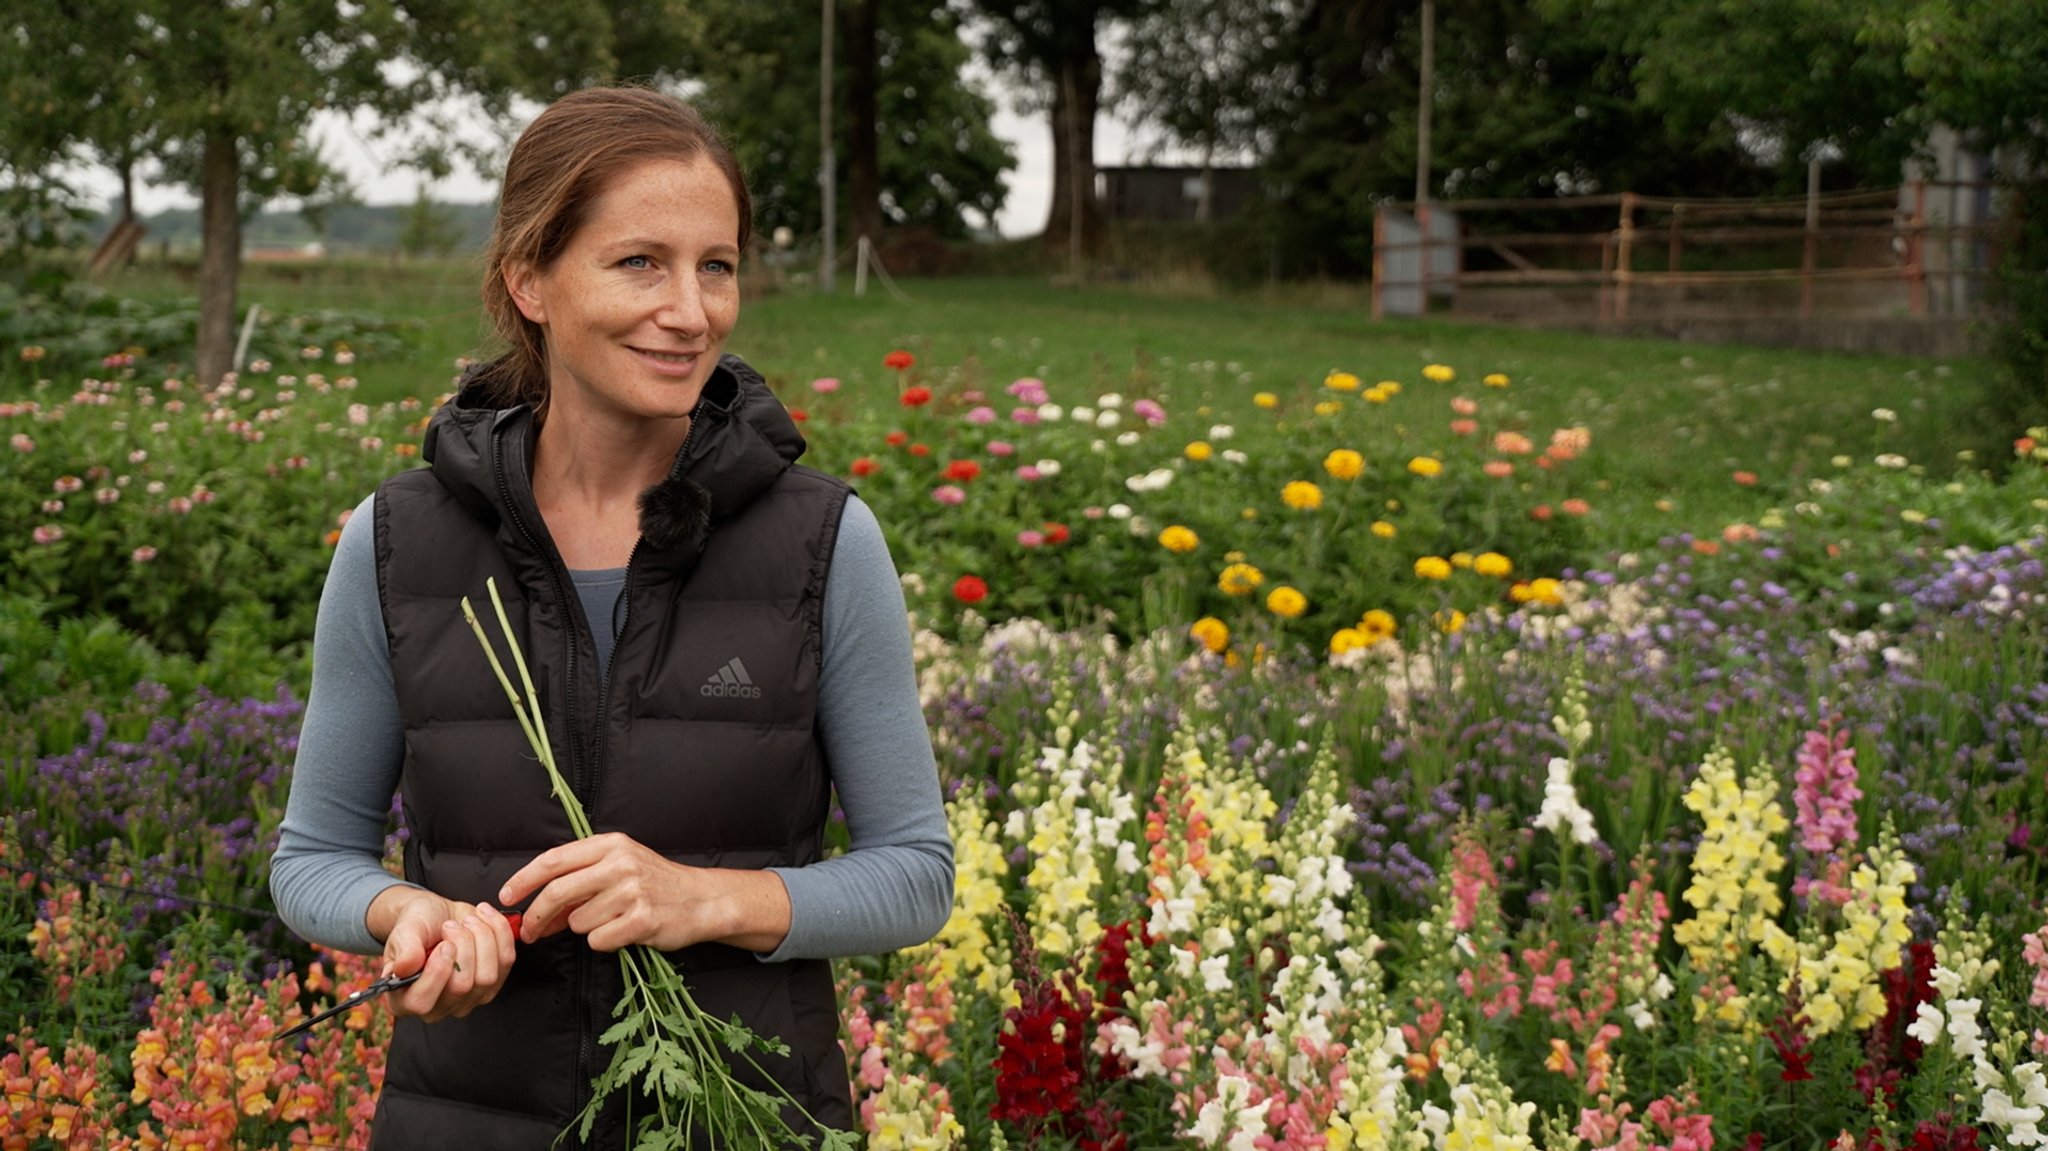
(1339, 765)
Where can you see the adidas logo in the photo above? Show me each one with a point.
(732, 681)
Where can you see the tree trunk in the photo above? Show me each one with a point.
(863, 159)
(220, 254)
(1077, 92)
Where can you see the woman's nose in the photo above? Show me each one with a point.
(682, 308)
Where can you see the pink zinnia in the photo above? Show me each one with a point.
(22, 443)
(1498, 469)
(1024, 415)
(1826, 794)
(1028, 473)
(143, 554)
(825, 385)
(1001, 448)
(1465, 407)
(1149, 411)
(981, 415)
(1031, 538)
(1464, 427)
(47, 533)
(951, 495)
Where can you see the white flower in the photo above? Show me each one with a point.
(1884, 415)
(1082, 413)
(1109, 400)
(1232, 455)
(1639, 1014)
(1118, 511)
(1051, 413)
(1126, 439)
(1048, 467)
(1155, 480)
(1926, 1025)
(1221, 431)
(1891, 460)
(1216, 974)
(1108, 418)
(1561, 804)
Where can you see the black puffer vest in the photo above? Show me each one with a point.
(701, 743)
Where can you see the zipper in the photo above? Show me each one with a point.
(585, 1049)
(583, 785)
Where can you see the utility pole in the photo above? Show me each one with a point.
(828, 179)
(1423, 104)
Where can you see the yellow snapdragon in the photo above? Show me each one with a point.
(1734, 890)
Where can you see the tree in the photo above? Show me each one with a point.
(1207, 72)
(430, 230)
(1787, 80)
(935, 157)
(1052, 43)
(219, 93)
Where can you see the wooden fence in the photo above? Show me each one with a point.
(1625, 249)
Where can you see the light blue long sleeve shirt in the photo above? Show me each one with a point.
(892, 889)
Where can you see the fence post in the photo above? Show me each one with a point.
(1677, 244)
(1379, 267)
(1624, 253)
(1809, 256)
(1916, 272)
(1426, 246)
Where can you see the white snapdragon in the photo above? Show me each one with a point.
(1561, 805)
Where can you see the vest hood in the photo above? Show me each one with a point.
(740, 440)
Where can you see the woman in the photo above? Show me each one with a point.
(717, 639)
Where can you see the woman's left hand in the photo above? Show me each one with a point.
(615, 892)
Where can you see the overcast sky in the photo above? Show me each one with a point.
(377, 181)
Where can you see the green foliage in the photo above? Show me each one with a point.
(758, 63)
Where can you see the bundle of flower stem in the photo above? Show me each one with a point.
(661, 1039)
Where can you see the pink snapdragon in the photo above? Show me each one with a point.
(1825, 799)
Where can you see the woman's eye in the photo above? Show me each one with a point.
(719, 267)
(637, 263)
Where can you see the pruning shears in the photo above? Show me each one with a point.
(384, 985)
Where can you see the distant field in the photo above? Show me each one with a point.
(1665, 416)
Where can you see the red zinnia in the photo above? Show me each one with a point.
(970, 589)
(898, 360)
(916, 396)
(896, 439)
(920, 450)
(1746, 479)
(963, 470)
(1056, 533)
(797, 414)
(865, 466)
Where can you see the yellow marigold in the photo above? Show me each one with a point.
(1379, 395)
(1344, 464)
(1426, 466)
(1213, 632)
(1383, 529)
(1179, 540)
(1302, 496)
(1285, 601)
(1461, 560)
(1329, 408)
(1495, 380)
(1543, 591)
(1198, 451)
(1450, 620)
(1439, 374)
(1493, 564)
(1341, 382)
(1248, 513)
(1377, 624)
(1348, 639)
(1266, 400)
(1240, 579)
(1433, 567)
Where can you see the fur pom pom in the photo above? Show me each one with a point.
(675, 512)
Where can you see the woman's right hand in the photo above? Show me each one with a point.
(462, 951)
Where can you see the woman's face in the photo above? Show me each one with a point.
(638, 306)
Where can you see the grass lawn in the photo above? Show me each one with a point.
(1670, 421)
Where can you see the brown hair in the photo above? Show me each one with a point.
(561, 164)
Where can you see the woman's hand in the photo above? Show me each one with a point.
(462, 951)
(615, 893)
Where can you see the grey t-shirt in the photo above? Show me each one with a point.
(893, 888)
